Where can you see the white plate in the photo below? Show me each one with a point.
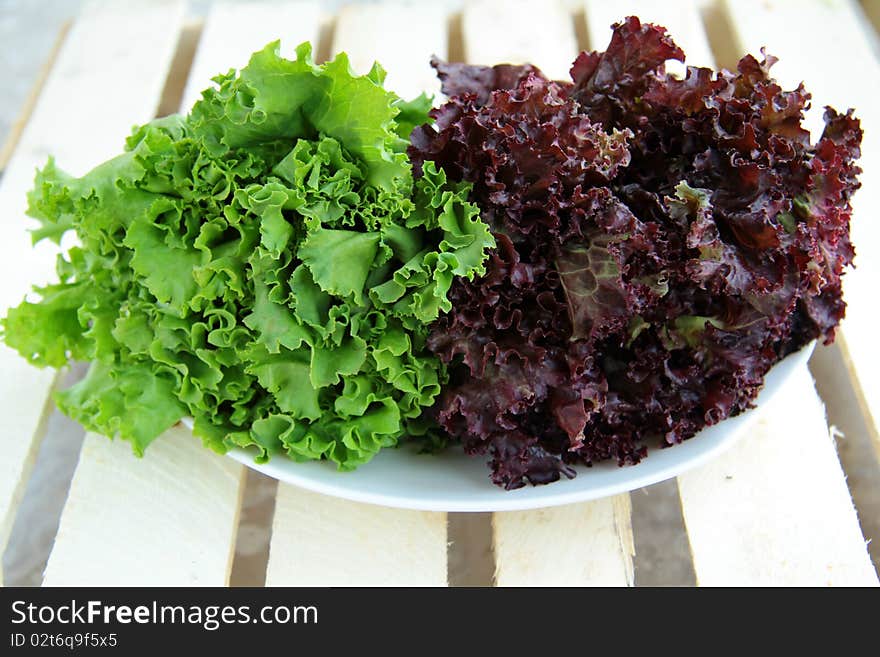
(452, 481)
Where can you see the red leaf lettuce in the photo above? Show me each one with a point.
(661, 243)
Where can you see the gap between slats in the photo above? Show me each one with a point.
(470, 556)
(871, 9)
(171, 99)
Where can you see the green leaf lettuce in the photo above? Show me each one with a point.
(266, 265)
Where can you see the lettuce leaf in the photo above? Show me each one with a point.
(266, 264)
(662, 242)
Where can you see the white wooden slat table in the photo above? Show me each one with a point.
(773, 510)
(401, 37)
(591, 545)
(167, 520)
(514, 32)
(796, 528)
(324, 541)
(233, 31)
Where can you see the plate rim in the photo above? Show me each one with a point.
(631, 478)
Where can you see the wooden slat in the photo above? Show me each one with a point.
(185, 523)
(680, 18)
(775, 510)
(755, 527)
(326, 541)
(168, 519)
(319, 540)
(108, 75)
(516, 32)
(843, 73)
(591, 543)
(255, 24)
(419, 32)
(574, 545)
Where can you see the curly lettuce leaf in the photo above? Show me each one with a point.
(235, 264)
(130, 400)
(274, 97)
